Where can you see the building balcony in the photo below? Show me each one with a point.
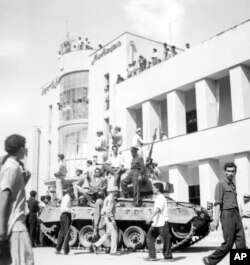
(214, 142)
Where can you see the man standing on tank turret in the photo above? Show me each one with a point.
(137, 169)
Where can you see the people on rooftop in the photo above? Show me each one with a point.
(119, 79)
(173, 51)
(154, 57)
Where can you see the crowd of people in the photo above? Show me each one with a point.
(143, 63)
(70, 45)
(102, 190)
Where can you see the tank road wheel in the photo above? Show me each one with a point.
(85, 236)
(134, 237)
(73, 236)
(107, 243)
(181, 231)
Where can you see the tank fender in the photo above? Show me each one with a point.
(181, 215)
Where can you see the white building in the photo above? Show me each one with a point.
(64, 117)
(199, 98)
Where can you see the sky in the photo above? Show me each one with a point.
(32, 30)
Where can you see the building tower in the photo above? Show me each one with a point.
(65, 112)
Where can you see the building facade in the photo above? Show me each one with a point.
(199, 98)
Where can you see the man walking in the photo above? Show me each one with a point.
(65, 222)
(60, 175)
(137, 168)
(159, 226)
(14, 237)
(226, 208)
(32, 216)
(108, 213)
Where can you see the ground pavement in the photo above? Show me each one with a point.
(189, 256)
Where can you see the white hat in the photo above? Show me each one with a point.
(112, 189)
(247, 195)
(99, 131)
(138, 129)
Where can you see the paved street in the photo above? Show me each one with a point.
(189, 256)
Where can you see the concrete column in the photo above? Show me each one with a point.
(206, 106)
(176, 113)
(240, 92)
(209, 172)
(178, 175)
(242, 179)
(130, 128)
(150, 119)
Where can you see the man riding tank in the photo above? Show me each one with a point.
(95, 185)
(137, 169)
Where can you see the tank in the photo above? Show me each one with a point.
(189, 223)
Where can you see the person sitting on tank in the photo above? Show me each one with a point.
(82, 184)
(88, 188)
(114, 166)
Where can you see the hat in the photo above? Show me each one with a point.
(113, 189)
(138, 129)
(134, 147)
(99, 131)
(247, 195)
(79, 169)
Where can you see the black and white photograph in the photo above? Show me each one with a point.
(125, 132)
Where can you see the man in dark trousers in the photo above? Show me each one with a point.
(32, 216)
(159, 226)
(137, 169)
(65, 221)
(226, 208)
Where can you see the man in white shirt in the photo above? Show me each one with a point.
(114, 166)
(15, 244)
(159, 226)
(101, 147)
(116, 135)
(138, 141)
(60, 174)
(65, 222)
(154, 57)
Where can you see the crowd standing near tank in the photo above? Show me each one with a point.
(103, 180)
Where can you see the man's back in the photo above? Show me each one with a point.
(34, 209)
(11, 178)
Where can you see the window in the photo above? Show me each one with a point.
(191, 121)
(73, 144)
(194, 194)
(74, 96)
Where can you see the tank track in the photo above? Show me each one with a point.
(191, 238)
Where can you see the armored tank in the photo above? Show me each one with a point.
(189, 223)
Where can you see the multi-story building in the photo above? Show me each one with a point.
(199, 98)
